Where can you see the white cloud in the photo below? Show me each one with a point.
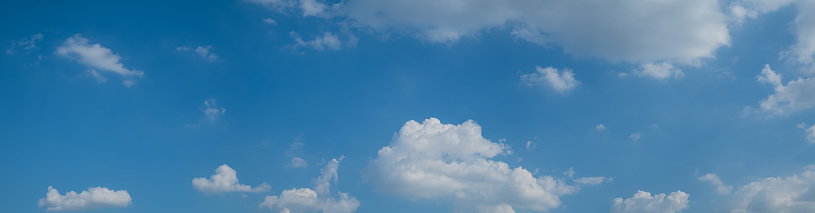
(211, 110)
(327, 41)
(298, 162)
(635, 137)
(561, 82)
(95, 56)
(317, 200)
(600, 127)
(225, 180)
(293, 152)
(201, 51)
(794, 96)
(803, 27)
(681, 31)
(777, 194)
(592, 180)
(660, 71)
(270, 21)
(643, 202)
(93, 198)
(808, 132)
(721, 188)
(431, 160)
(530, 145)
(99, 77)
(26, 43)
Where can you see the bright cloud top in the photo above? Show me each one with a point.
(93, 198)
(95, 56)
(225, 180)
(792, 97)
(777, 194)
(680, 31)
(431, 160)
(317, 200)
(561, 82)
(643, 202)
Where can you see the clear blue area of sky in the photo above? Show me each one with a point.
(61, 128)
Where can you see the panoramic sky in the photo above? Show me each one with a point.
(408, 106)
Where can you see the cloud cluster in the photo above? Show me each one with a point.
(777, 194)
(794, 96)
(97, 57)
(211, 110)
(93, 198)
(637, 31)
(561, 82)
(201, 51)
(431, 160)
(225, 180)
(314, 200)
(643, 202)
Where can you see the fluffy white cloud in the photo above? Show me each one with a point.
(777, 195)
(431, 160)
(643, 202)
(211, 110)
(201, 51)
(93, 198)
(95, 56)
(809, 132)
(796, 95)
(317, 200)
(224, 180)
(659, 71)
(561, 82)
(636, 31)
(26, 43)
(716, 181)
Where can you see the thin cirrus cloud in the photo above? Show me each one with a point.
(201, 51)
(25, 43)
(436, 161)
(225, 180)
(91, 199)
(644, 202)
(97, 57)
(318, 199)
(211, 110)
(560, 81)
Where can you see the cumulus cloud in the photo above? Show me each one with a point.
(225, 180)
(25, 43)
(93, 198)
(721, 188)
(809, 132)
(643, 202)
(794, 96)
(211, 110)
(777, 194)
(561, 82)
(600, 127)
(660, 71)
(201, 51)
(681, 31)
(318, 199)
(431, 160)
(97, 57)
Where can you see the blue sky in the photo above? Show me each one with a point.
(408, 106)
